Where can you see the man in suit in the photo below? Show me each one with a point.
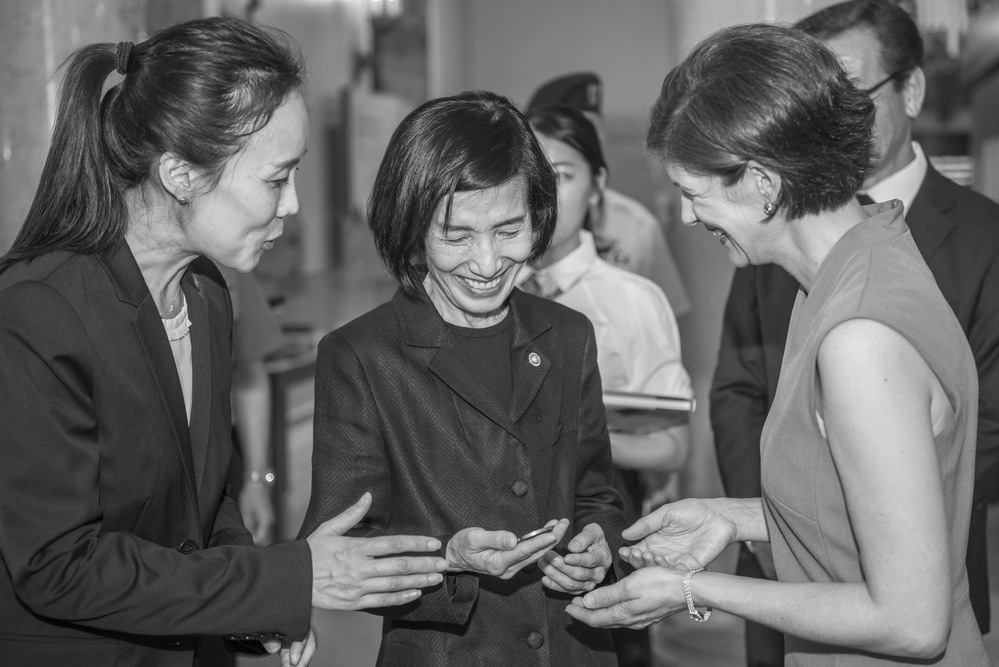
(956, 231)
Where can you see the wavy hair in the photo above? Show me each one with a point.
(773, 94)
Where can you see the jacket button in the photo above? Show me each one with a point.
(519, 488)
(535, 640)
(188, 547)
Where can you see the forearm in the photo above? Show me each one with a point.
(659, 451)
(842, 614)
(252, 407)
(747, 516)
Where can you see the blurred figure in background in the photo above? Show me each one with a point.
(957, 233)
(638, 342)
(626, 233)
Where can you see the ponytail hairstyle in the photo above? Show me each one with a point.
(197, 89)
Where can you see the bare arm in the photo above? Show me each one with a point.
(879, 400)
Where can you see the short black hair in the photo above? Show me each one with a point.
(774, 94)
(472, 141)
(901, 45)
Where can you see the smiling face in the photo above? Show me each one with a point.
(578, 188)
(241, 217)
(734, 214)
(473, 264)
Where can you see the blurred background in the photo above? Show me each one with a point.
(370, 62)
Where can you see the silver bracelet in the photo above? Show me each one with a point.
(694, 614)
(265, 477)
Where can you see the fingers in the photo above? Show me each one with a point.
(637, 556)
(605, 596)
(271, 646)
(597, 618)
(374, 600)
(645, 526)
(501, 540)
(590, 535)
(300, 653)
(404, 565)
(390, 584)
(396, 544)
(347, 519)
(565, 578)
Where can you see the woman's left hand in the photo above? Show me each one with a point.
(582, 569)
(644, 597)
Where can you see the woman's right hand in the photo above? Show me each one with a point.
(497, 552)
(358, 572)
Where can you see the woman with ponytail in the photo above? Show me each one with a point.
(117, 545)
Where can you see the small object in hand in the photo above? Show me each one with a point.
(535, 533)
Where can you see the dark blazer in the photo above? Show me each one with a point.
(957, 232)
(118, 546)
(400, 414)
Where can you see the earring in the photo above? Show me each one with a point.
(769, 208)
(182, 200)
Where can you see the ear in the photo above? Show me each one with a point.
(600, 181)
(179, 178)
(914, 92)
(763, 180)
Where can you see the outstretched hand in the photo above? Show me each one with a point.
(687, 534)
(497, 552)
(642, 598)
(356, 572)
(581, 569)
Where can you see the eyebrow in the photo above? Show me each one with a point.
(289, 163)
(505, 223)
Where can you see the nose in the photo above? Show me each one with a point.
(687, 216)
(485, 257)
(288, 205)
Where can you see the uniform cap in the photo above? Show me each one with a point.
(581, 91)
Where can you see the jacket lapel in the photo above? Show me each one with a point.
(201, 362)
(531, 359)
(131, 289)
(930, 226)
(928, 219)
(424, 328)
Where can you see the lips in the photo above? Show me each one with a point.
(481, 285)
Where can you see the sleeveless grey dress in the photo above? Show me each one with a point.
(874, 272)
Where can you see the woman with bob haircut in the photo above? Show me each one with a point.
(118, 545)
(471, 410)
(868, 450)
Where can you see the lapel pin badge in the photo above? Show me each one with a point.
(534, 359)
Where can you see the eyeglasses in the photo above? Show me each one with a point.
(882, 83)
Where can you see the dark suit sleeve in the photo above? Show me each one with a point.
(983, 337)
(738, 398)
(597, 501)
(64, 563)
(349, 457)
